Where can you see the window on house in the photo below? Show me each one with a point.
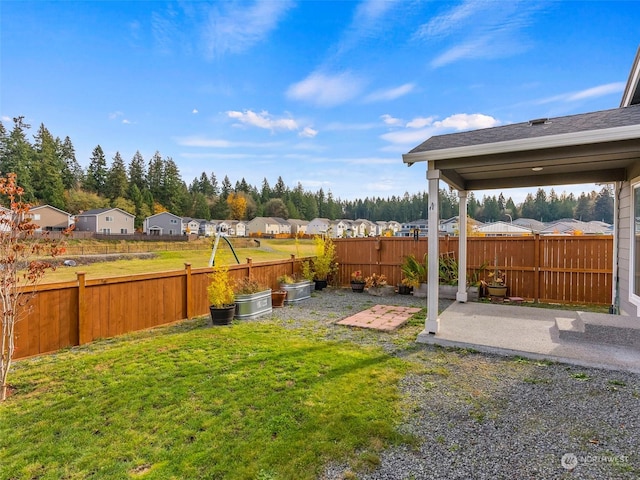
(123, 231)
(636, 240)
(106, 231)
(108, 219)
(173, 220)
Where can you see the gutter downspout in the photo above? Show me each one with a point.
(615, 292)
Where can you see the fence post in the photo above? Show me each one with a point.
(536, 268)
(293, 264)
(84, 332)
(188, 290)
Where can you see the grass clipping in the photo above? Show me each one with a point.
(202, 403)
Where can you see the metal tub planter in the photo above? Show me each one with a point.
(297, 291)
(253, 305)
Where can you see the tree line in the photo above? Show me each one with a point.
(49, 172)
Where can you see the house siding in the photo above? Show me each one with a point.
(624, 252)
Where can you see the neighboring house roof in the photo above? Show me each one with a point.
(49, 207)
(585, 148)
(530, 223)
(587, 228)
(164, 213)
(503, 228)
(99, 211)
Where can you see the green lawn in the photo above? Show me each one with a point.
(254, 400)
(175, 260)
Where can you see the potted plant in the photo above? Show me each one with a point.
(252, 299)
(278, 297)
(496, 286)
(405, 287)
(324, 264)
(357, 282)
(221, 296)
(415, 274)
(377, 286)
(297, 289)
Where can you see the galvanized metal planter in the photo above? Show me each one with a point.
(297, 291)
(253, 305)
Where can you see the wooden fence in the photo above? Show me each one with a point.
(549, 269)
(560, 269)
(74, 313)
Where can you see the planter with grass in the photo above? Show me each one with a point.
(252, 300)
(221, 296)
(297, 290)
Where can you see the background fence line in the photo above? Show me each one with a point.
(548, 269)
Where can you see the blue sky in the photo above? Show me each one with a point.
(328, 94)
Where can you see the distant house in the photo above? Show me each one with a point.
(190, 226)
(364, 228)
(576, 227)
(164, 223)
(107, 221)
(5, 214)
(236, 228)
(318, 226)
(206, 228)
(502, 229)
(298, 227)
(268, 226)
(50, 219)
(409, 229)
(451, 226)
(389, 228)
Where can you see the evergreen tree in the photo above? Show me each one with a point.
(96, 178)
(603, 205)
(155, 174)
(584, 208)
(279, 189)
(265, 192)
(137, 175)
(175, 195)
(72, 175)
(46, 174)
(225, 190)
(18, 157)
(541, 206)
(117, 181)
(511, 209)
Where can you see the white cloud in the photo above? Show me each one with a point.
(481, 29)
(326, 90)
(465, 121)
(126, 121)
(420, 129)
(308, 132)
(593, 92)
(389, 120)
(420, 122)
(6, 119)
(263, 120)
(391, 93)
(236, 27)
(115, 115)
(194, 111)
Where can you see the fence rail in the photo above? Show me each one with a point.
(549, 269)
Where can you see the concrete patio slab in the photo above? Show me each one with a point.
(530, 332)
(381, 317)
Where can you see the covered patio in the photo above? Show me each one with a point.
(594, 147)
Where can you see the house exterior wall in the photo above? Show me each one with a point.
(86, 223)
(50, 218)
(628, 258)
(115, 222)
(168, 223)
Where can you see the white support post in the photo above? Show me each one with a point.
(461, 295)
(432, 323)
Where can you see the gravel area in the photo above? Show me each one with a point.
(479, 416)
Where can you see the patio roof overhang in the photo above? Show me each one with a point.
(590, 156)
